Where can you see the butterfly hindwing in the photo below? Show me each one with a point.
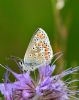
(39, 50)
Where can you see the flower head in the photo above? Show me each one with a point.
(47, 87)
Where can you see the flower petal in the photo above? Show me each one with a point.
(6, 90)
(45, 71)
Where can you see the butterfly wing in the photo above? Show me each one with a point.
(39, 50)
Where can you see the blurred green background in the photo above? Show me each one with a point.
(20, 18)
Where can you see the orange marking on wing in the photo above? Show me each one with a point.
(40, 35)
(44, 45)
(46, 53)
(40, 44)
(46, 49)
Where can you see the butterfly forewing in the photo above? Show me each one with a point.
(39, 50)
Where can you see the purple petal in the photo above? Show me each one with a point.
(43, 86)
(46, 82)
(45, 71)
(25, 77)
(6, 90)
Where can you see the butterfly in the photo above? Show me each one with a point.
(39, 51)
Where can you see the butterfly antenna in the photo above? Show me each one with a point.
(16, 60)
(57, 58)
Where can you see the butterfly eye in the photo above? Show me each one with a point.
(21, 62)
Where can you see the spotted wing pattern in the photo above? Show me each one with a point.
(39, 51)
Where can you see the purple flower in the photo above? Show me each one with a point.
(47, 87)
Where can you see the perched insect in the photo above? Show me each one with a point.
(39, 51)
